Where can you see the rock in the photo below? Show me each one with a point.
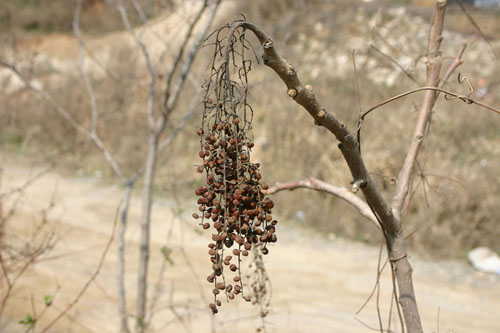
(485, 260)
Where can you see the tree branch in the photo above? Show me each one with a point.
(180, 54)
(433, 70)
(89, 281)
(149, 105)
(340, 192)
(349, 148)
(463, 98)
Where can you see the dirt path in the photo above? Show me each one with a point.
(318, 284)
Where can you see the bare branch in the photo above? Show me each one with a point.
(26, 184)
(122, 299)
(463, 98)
(69, 118)
(349, 148)
(180, 53)
(340, 192)
(388, 57)
(476, 26)
(183, 121)
(457, 61)
(173, 97)
(89, 281)
(149, 105)
(433, 70)
(81, 63)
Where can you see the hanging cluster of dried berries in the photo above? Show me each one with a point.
(232, 203)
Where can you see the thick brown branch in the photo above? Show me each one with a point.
(340, 192)
(349, 148)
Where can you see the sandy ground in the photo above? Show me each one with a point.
(318, 282)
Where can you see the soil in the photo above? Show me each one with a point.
(319, 281)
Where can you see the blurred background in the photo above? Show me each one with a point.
(67, 193)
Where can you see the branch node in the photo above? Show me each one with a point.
(419, 137)
(321, 114)
(268, 43)
(398, 259)
(291, 70)
(292, 92)
(309, 88)
(357, 184)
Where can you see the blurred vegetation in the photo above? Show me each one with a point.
(455, 204)
(49, 16)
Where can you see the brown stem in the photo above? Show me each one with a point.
(349, 148)
(340, 192)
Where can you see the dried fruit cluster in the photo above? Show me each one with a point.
(232, 203)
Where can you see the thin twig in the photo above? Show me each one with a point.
(463, 98)
(26, 184)
(180, 54)
(388, 57)
(90, 280)
(457, 61)
(476, 26)
(150, 101)
(378, 288)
